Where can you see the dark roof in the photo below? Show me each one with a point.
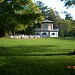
(47, 21)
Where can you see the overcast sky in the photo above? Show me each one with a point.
(59, 7)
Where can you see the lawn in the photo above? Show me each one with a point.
(42, 56)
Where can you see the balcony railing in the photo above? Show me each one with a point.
(39, 29)
(55, 29)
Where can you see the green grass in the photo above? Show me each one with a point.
(44, 56)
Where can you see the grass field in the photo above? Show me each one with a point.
(44, 56)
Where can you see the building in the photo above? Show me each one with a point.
(47, 29)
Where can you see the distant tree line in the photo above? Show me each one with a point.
(23, 16)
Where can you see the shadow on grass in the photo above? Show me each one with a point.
(32, 66)
(37, 54)
(40, 50)
(66, 38)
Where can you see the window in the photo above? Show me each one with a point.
(45, 26)
(53, 34)
(44, 33)
(37, 33)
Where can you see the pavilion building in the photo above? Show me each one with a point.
(47, 29)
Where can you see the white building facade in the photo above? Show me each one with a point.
(47, 29)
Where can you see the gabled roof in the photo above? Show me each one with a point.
(47, 21)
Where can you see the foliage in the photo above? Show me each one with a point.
(69, 2)
(8, 15)
(72, 32)
(16, 13)
(47, 12)
(64, 26)
(43, 9)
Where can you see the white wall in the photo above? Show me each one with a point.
(48, 34)
(42, 33)
(56, 34)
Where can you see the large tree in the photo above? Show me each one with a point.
(15, 14)
(7, 14)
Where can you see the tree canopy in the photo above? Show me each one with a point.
(69, 2)
(17, 13)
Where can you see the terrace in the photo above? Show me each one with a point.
(40, 29)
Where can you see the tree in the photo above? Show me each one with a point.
(15, 14)
(69, 2)
(48, 13)
(72, 32)
(67, 15)
(52, 16)
(43, 8)
(65, 27)
(7, 13)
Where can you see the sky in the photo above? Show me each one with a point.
(59, 6)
